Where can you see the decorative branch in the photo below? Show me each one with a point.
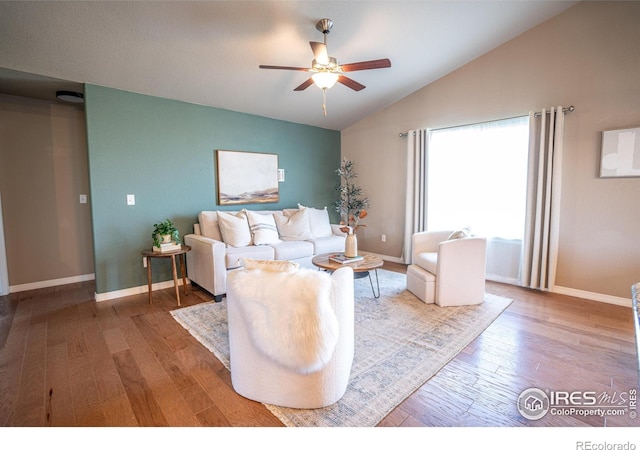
(351, 205)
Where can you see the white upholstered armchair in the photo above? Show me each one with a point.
(291, 335)
(447, 269)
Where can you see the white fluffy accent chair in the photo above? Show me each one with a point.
(291, 335)
(447, 268)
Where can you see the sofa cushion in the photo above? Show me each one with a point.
(235, 255)
(270, 265)
(234, 229)
(318, 221)
(263, 228)
(327, 244)
(208, 221)
(294, 227)
(428, 261)
(287, 250)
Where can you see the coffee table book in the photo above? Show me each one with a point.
(343, 259)
(168, 247)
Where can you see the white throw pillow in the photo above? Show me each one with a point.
(234, 229)
(208, 221)
(290, 211)
(318, 221)
(270, 265)
(460, 234)
(294, 227)
(263, 228)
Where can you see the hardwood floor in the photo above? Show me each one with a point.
(66, 360)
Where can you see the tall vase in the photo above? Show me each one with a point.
(351, 246)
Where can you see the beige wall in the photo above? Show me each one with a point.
(587, 57)
(43, 171)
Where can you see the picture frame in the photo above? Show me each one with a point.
(246, 177)
(620, 154)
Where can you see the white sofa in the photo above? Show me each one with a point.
(447, 268)
(222, 239)
(291, 335)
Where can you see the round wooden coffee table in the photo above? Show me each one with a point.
(360, 268)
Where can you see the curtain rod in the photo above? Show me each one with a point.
(566, 110)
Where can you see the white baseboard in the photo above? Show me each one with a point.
(135, 290)
(501, 279)
(604, 298)
(51, 283)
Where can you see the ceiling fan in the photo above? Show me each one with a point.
(326, 69)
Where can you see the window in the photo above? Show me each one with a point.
(477, 177)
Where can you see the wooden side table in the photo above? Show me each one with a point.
(149, 254)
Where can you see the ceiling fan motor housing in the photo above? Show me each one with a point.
(324, 25)
(332, 65)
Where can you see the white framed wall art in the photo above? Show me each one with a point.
(246, 177)
(620, 153)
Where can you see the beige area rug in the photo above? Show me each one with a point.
(400, 343)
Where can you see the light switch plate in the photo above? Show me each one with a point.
(131, 199)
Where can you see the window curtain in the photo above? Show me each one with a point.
(416, 205)
(540, 247)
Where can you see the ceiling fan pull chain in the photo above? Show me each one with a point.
(324, 101)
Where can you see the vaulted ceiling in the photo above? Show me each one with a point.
(208, 52)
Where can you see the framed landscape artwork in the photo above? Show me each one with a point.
(620, 153)
(246, 177)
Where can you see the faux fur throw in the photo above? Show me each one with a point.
(289, 316)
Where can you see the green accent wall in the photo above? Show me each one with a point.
(163, 152)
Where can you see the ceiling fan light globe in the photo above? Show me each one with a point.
(325, 80)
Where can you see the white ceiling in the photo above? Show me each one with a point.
(208, 52)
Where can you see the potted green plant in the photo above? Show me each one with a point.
(165, 232)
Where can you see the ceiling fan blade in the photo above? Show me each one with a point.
(303, 69)
(350, 83)
(366, 65)
(320, 52)
(304, 85)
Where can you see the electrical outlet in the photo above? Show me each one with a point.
(83, 198)
(144, 261)
(383, 238)
(131, 199)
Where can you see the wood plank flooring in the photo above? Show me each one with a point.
(67, 361)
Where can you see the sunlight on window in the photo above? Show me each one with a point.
(477, 177)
